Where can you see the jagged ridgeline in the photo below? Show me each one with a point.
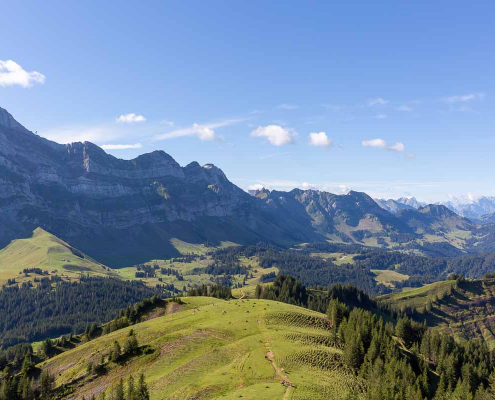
(124, 212)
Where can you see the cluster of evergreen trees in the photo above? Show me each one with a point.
(289, 290)
(218, 291)
(314, 271)
(30, 314)
(128, 390)
(409, 361)
(395, 358)
(310, 270)
(23, 387)
(285, 289)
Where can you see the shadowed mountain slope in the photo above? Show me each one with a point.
(122, 212)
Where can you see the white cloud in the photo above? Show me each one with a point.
(100, 134)
(95, 134)
(12, 74)
(377, 102)
(398, 147)
(404, 108)
(319, 140)
(130, 118)
(287, 107)
(307, 186)
(464, 98)
(204, 132)
(343, 189)
(121, 146)
(381, 116)
(275, 134)
(167, 122)
(256, 186)
(382, 144)
(274, 155)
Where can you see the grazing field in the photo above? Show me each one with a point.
(387, 277)
(209, 348)
(336, 258)
(48, 256)
(48, 253)
(417, 298)
(463, 309)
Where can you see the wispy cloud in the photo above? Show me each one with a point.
(256, 186)
(286, 106)
(121, 146)
(204, 132)
(377, 189)
(265, 157)
(130, 118)
(381, 116)
(81, 133)
(377, 102)
(276, 135)
(332, 107)
(12, 74)
(464, 98)
(404, 108)
(382, 144)
(167, 122)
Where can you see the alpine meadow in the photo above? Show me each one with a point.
(212, 200)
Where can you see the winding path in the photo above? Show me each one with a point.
(285, 381)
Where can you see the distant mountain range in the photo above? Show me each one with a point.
(403, 203)
(480, 209)
(121, 212)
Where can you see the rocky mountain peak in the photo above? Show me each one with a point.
(156, 158)
(8, 121)
(437, 211)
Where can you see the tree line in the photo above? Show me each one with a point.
(31, 314)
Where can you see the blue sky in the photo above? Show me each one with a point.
(403, 91)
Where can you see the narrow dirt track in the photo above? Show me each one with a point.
(271, 357)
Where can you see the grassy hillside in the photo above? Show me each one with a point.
(464, 309)
(49, 253)
(210, 348)
(387, 277)
(54, 257)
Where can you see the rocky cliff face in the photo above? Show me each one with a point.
(78, 191)
(122, 212)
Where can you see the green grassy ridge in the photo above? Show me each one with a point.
(416, 297)
(56, 257)
(49, 253)
(213, 348)
(464, 309)
(387, 276)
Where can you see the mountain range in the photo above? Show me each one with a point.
(480, 209)
(122, 212)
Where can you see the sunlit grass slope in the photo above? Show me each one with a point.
(463, 309)
(49, 253)
(216, 349)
